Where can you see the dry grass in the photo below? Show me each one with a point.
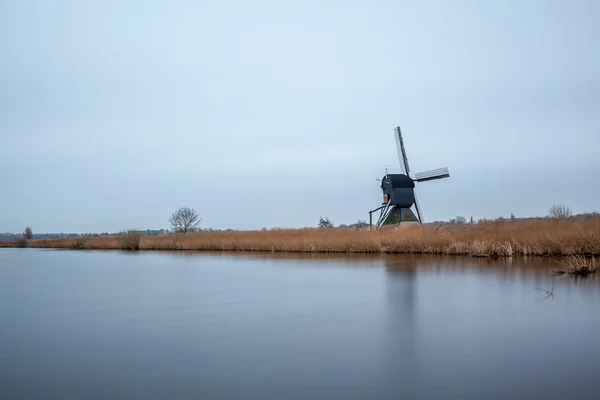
(578, 265)
(488, 239)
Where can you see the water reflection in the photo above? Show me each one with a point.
(279, 325)
(449, 315)
(534, 270)
(400, 325)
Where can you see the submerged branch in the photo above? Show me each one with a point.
(549, 293)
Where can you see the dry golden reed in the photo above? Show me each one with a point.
(542, 237)
(578, 265)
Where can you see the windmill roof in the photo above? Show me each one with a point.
(398, 180)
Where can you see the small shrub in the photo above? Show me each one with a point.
(21, 243)
(129, 240)
(559, 212)
(325, 223)
(79, 243)
(360, 224)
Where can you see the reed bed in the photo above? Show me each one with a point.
(577, 265)
(544, 237)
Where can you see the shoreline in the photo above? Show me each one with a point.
(493, 239)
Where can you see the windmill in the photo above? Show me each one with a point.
(399, 190)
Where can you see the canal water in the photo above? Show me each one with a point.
(117, 325)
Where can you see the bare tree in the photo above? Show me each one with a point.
(185, 220)
(559, 212)
(28, 234)
(325, 223)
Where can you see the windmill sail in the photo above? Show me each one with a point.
(432, 174)
(401, 152)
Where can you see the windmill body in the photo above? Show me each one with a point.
(399, 190)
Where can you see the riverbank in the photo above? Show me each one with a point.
(544, 237)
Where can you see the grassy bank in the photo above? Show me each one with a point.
(544, 237)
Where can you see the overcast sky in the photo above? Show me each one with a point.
(271, 114)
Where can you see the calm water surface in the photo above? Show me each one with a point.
(113, 325)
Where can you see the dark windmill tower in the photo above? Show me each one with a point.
(399, 190)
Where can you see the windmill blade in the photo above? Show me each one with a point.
(401, 152)
(419, 215)
(432, 174)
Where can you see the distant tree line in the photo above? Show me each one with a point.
(555, 212)
(14, 236)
